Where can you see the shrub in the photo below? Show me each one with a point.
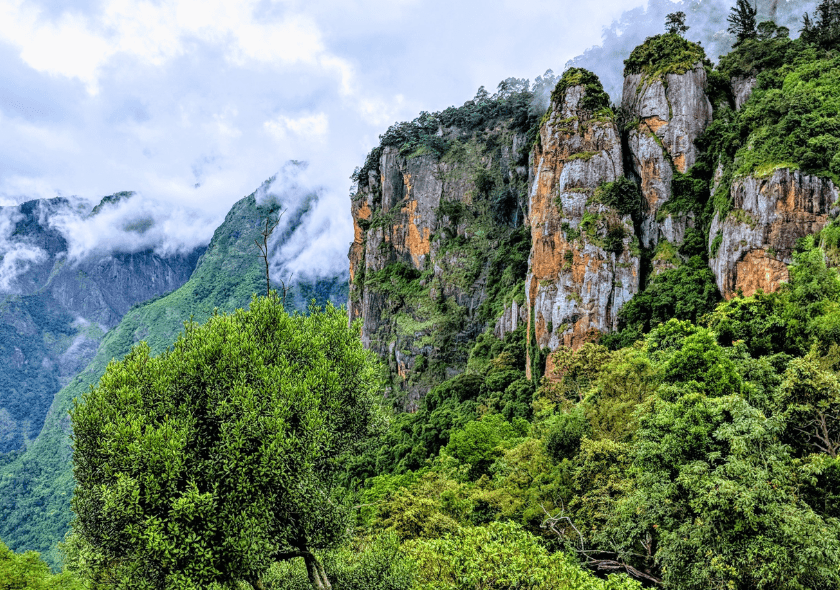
(664, 54)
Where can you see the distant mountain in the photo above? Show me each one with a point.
(36, 484)
(54, 310)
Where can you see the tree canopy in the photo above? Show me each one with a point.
(208, 463)
(742, 22)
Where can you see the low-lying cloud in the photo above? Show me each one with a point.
(133, 224)
(310, 240)
(17, 255)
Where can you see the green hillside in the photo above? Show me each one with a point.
(36, 485)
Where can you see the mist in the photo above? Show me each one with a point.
(707, 24)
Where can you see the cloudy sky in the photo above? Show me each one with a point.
(194, 103)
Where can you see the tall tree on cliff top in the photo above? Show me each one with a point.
(742, 22)
(824, 30)
(675, 23)
(204, 465)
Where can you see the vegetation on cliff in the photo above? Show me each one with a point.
(696, 447)
(594, 97)
(664, 54)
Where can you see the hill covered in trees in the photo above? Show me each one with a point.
(608, 355)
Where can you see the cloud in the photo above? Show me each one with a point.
(304, 126)
(310, 241)
(133, 224)
(193, 103)
(16, 255)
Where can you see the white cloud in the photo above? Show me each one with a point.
(131, 225)
(16, 255)
(193, 103)
(305, 126)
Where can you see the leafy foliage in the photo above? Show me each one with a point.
(623, 194)
(208, 462)
(28, 571)
(687, 292)
(824, 30)
(675, 23)
(594, 97)
(741, 21)
(36, 486)
(500, 556)
(664, 54)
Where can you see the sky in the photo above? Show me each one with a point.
(194, 104)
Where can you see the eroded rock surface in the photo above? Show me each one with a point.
(401, 228)
(742, 87)
(758, 235)
(671, 114)
(582, 268)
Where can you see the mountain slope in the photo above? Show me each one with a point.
(36, 485)
(56, 307)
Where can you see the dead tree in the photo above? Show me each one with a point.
(609, 561)
(270, 226)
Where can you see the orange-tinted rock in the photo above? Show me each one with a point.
(672, 114)
(575, 286)
(756, 270)
(396, 218)
(758, 235)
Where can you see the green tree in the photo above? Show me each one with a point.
(28, 571)
(675, 23)
(742, 22)
(501, 556)
(217, 458)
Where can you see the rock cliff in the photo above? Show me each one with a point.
(583, 265)
(650, 196)
(752, 244)
(436, 229)
(669, 113)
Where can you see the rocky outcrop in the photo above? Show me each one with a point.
(55, 311)
(742, 87)
(582, 265)
(512, 317)
(750, 248)
(425, 231)
(671, 113)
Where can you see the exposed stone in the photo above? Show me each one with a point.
(742, 87)
(672, 114)
(759, 233)
(509, 321)
(575, 287)
(676, 110)
(396, 220)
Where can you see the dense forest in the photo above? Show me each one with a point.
(693, 447)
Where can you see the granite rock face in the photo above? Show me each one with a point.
(587, 259)
(742, 87)
(671, 113)
(758, 235)
(582, 268)
(425, 218)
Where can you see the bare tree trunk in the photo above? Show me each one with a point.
(315, 571)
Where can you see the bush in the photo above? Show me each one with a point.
(28, 571)
(565, 433)
(501, 556)
(664, 54)
(623, 195)
(366, 564)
